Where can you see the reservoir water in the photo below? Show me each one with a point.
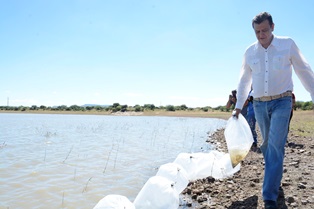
(72, 161)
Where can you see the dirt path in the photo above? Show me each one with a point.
(243, 190)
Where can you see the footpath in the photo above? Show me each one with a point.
(243, 189)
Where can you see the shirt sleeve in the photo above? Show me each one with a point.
(244, 85)
(302, 69)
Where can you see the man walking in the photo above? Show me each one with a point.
(267, 66)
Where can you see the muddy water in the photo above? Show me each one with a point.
(72, 161)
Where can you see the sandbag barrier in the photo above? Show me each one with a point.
(162, 190)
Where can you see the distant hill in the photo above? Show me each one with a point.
(94, 105)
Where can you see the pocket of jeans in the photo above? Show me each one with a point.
(255, 65)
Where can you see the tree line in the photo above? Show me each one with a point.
(116, 107)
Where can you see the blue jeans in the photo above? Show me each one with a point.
(273, 119)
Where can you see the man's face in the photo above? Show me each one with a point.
(264, 33)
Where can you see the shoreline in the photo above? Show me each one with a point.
(199, 114)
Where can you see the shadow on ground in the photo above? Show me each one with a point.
(250, 202)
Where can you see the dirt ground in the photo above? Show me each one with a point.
(243, 189)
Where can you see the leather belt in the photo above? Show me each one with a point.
(269, 98)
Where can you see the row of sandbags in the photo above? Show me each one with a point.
(162, 190)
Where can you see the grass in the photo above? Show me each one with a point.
(195, 113)
(302, 123)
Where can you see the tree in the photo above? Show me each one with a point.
(205, 109)
(89, 107)
(298, 105)
(124, 108)
(62, 107)
(184, 107)
(115, 105)
(170, 108)
(34, 107)
(137, 108)
(76, 108)
(307, 106)
(149, 107)
(99, 108)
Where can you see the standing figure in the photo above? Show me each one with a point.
(233, 100)
(267, 65)
(293, 108)
(250, 118)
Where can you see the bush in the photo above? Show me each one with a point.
(170, 108)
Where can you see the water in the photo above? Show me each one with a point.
(73, 161)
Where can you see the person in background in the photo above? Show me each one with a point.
(233, 100)
(250, 118)
(267, 65)
(293, 108)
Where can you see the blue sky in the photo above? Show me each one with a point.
(162, 52)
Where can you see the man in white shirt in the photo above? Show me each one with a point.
(267, 66)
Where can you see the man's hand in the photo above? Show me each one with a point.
(236, 112)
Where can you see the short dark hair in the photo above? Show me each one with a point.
(261, 17)
(234, 93)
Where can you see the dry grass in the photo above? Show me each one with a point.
(302, 123)
(202, 114)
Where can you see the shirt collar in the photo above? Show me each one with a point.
(274, 42)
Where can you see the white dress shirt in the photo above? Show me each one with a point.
(270, 70)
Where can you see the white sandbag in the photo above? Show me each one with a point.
(206, 163)
(201, 165)
(114, 202)
(176, 173)
(239, 138)
(222, 167)
(157, 193)
(215, 164)
(189, 162)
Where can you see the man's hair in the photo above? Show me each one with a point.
(261, 17)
